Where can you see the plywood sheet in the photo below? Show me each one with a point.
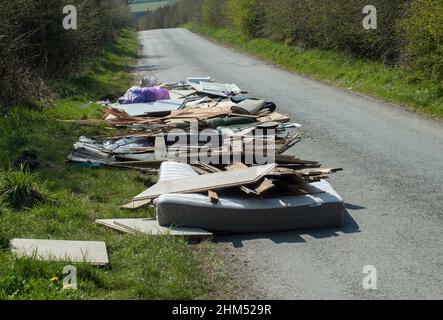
(93, 252)
(212, 181)
(151, 227)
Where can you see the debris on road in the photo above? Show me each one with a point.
(220, 157)
(207, 182)
(244, 209)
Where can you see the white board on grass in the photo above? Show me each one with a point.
(92, 252)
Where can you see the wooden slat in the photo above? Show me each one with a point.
(152, 227)
(261, 188)
(213, 181)
(134, 205)
(213, 196)
(161, 152)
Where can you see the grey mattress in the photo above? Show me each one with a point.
(239, 214)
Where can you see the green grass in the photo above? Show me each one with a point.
(366, 76)
(19, 189)
(151, 6)
(141, 267)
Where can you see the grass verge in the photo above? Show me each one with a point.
(141, 267)
(366, 76)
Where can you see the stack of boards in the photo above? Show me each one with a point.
(95, 252)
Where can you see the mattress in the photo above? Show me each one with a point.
(241, 214)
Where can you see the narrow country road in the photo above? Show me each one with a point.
(392, 182)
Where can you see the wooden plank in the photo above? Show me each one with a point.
(139, 164)
(236, 166)
(208, 167)
(318, 171)
(265, 186)
(181, 94)
(274, 117)
(213, 196)
(239, 166)
(161, 152)
(92, 252)
(110, 224)
(316, 178)
(200, 170)
(289, 143)
(151, 227)
(292, 160)
(212, 181)
(261, 188)
(134, 205)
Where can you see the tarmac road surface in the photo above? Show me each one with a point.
(392, 183)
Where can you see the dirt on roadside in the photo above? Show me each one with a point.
(225, 273)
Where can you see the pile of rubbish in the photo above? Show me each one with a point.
(220, 159)
(232, 145)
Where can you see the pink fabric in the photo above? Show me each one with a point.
(141, 95)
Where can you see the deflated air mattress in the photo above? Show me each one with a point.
(241, 214)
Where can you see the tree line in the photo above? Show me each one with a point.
(36, 48)
(409, 32)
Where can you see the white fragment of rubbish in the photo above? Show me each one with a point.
(197, 80)
(92, 252)
(87, 104)
(291, 125)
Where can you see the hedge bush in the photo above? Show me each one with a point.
(246, 16)
(35, 47)
(214, 12)
(422, 29)
(335, 24)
